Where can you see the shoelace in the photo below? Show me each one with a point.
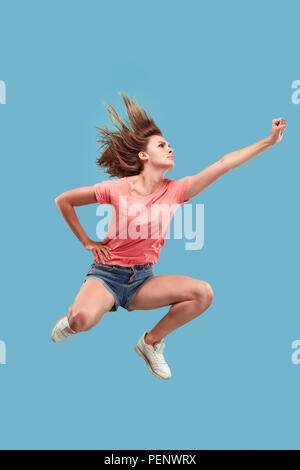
(159, 347)
(65, 332)
(158, 358)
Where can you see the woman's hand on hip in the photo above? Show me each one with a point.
(99, 250)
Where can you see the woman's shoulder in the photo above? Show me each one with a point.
(112, 182)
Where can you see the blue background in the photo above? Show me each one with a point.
(213, 76)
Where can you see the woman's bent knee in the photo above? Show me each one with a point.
(205, 292)
(82, 321)
(209, 292)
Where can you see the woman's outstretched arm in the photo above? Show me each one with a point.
(197, 183)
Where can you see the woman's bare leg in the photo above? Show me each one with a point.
(90, 304)
(189, 298)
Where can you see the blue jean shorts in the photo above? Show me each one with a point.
(121, 281)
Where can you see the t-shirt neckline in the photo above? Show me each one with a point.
(145, 195)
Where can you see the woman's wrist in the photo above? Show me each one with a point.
(86, 242)
(269, 141)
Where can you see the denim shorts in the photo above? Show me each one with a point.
(123, 282)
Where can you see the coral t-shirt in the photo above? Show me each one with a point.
(139, 224)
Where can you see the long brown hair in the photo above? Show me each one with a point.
(120, 157)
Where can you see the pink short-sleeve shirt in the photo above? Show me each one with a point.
(139, 224)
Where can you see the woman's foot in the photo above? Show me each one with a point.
(153, 356)
(62, 330)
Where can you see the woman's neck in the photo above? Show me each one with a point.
(146, 183)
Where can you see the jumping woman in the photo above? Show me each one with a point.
(121, 274)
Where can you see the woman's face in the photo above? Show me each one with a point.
(158, 153)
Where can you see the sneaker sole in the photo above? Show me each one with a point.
(140, 353)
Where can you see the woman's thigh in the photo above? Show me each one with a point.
(165, 289)
(93, 299)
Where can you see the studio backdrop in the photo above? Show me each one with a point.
(213, 76)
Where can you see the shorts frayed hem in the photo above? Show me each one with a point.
(116, 304)
(129, 301)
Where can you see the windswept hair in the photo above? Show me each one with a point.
(120, 155)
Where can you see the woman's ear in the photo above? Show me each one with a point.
(142, 155)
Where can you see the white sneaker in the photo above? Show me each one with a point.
(153, 356)
(62, 330)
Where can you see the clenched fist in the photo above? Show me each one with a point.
(278, 128)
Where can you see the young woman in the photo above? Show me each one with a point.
(121, 275)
